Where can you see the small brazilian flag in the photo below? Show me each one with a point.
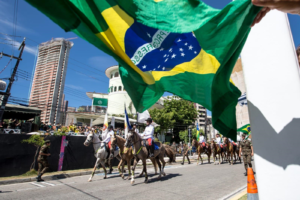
(184, 47)
(245, 129)
(198, 132)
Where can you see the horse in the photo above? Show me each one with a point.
(216, 150)
(200, 150)
(100, 153)
(230, 151)
(237, 151)
(141, 153)
(170, 153)
(126, 154)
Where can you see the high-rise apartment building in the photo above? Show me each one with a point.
(49, 79)
(201, 115)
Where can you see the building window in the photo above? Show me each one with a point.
(120, 88)
(111, 89)
(117, 74)
(111, 76)
(115, 88)
(124, 89)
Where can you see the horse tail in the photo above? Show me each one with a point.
(170, 153)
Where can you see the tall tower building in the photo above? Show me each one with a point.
(49, 79)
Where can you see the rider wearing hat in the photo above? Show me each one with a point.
(134, 128)
(219, 141)
(110, 134)
(202, 141)
(43, 161)
(148, 135)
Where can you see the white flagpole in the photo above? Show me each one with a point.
(273, 91)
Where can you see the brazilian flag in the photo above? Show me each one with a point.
(184, 47)
(245, 129)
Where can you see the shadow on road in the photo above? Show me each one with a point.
(153, 178)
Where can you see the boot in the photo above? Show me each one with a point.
(152, 151)
(39, 178)
(245, 173)
(189, 161)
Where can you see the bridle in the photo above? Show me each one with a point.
(132, 143)
(91, 141)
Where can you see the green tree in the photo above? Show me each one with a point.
(184, 135)
(176, 112)
(37, 141)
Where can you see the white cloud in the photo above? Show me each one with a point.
(74, 87)
(29, 49)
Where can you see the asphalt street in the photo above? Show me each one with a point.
(207, 181)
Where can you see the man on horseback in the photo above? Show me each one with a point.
(219, 141)
(134, 128)
(107, 141)
(148, 135)
(202, 142)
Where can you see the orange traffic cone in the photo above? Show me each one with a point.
(252, 193)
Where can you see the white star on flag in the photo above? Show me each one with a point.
(179, 40)
(174, 55)
(186, 44)
(163, 68)
(193, 34)
(149, 35)
(191, 47)
(195, 52)
(180, 49)
(144, 67)
(170, 50)
(166, 60)
(153, 69)
(158, 66)
(182, 54)
(165, 55)
(161, 49)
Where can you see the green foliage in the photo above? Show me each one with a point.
(31, 172)
(59, 133)
(64, 129)
(35, 140)
(184, 135)
(168, 143)
(176, 111)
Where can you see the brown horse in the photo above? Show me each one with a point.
(230, 151)
(237, 151)
(170, 153)
(126, 155)
(201, 150)
(141, 153)
(216, 150)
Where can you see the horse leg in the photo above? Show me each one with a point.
(214, 155)
(159, 166)
(201, 159)
(145, 170)
(162, 160)
(198, 159)
(208, 155)
(153, 160)
(105, 172)
(119, 168)
(231, 155)
(128, 166)
(96, 164)
(132, 172)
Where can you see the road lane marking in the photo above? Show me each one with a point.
(228, 196)
(48, 183)
(38, 185)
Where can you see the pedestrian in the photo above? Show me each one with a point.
(43, 161)
(247, 151)
(185, 153)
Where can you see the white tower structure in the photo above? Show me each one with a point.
(117, 96)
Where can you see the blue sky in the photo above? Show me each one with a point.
(86, 64)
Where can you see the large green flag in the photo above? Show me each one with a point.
(181, 46)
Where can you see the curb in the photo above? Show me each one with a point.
(69, 175)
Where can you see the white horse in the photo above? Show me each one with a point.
(100, 152)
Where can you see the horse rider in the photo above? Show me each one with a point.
(185, 154)
(148, 135)
(42, 160)
(202, 142)
(107, 141)
(134, 128)
(247, 150)
(219, 141)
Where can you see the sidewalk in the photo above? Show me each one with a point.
(80, 172)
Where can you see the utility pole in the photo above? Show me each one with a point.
(11, 79)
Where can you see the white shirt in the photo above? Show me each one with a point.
(219, 140)
(148, 132)
(108, 136)
(201, 139)
(137, 130)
